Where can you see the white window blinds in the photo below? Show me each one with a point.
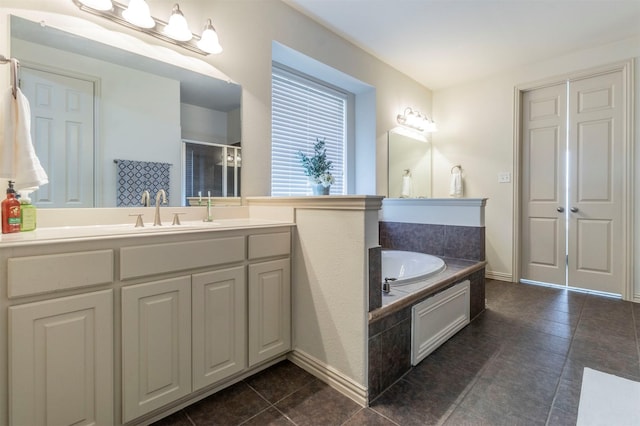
(303, 111)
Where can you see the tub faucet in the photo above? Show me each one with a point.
(386, 286)
(161, 193)
(146, 198)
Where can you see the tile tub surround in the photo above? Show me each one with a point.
(390, 327)
(375, 278)
(461, 242)
(462, 248)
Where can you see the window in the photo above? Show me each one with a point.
(211, 169)
(302, 111)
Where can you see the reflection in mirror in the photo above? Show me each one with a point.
(409, 165)
(93, 104)
(211, 169)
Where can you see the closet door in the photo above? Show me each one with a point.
(573, 191)
(543, 233)
(596, 182)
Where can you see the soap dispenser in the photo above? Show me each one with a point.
(27, 212)
(10, 211)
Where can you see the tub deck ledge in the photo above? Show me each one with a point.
(456, 270)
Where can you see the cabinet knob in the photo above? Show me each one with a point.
(574, 209)
(560, 209)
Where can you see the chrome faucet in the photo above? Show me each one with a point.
(161, 193)
(386, 285)
(146, 198)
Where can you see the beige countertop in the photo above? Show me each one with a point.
(93, 232)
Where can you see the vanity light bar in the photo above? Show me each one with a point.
(416, 120)
(157, 31)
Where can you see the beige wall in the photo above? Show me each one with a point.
(476, 130)
(247, 29)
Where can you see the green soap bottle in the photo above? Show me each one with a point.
(27, 213)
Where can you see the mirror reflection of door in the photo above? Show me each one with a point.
(62, 129)
(409, 166)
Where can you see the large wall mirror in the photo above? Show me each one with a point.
(409, 165)
(108, 124)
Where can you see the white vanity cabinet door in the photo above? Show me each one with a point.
(61, 361)
(269, 309)
(219, 321)
(156, 344)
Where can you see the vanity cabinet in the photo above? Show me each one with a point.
(139, 326)
(219, 321)
(269, 296)
(269, 310)
(61, 361)
(184, 334)
(180, 335)
(156, 345)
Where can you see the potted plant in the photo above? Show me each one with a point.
(317, 168)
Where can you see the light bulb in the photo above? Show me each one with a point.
(209, 40)
(98, 4)
(138, 14)
(177, 28)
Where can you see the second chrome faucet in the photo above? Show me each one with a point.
(161, 194)
(146, 198)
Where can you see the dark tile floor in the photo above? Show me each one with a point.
(518, 363)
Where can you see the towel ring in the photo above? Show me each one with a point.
(14, 73)
(457, 166)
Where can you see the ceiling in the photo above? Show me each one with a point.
(443, 43)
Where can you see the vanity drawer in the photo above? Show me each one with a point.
(266, 245)
(140, 261)
(49, 273)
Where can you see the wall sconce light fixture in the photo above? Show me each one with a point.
(137, 16)
(416, 120)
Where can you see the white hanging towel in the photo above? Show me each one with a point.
(18, 159)
(407, 185)
(456, 186)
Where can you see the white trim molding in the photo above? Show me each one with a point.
(324, 202)
(343, 384)
(500, 276)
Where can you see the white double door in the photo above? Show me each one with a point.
(572, 211)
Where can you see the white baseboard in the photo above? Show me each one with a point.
(500, 276)
(330, 376)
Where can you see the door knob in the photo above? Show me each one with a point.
(574, 209)
(560, 209)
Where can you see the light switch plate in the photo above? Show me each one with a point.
(504, 177)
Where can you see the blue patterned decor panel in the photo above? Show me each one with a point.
(134, 177)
